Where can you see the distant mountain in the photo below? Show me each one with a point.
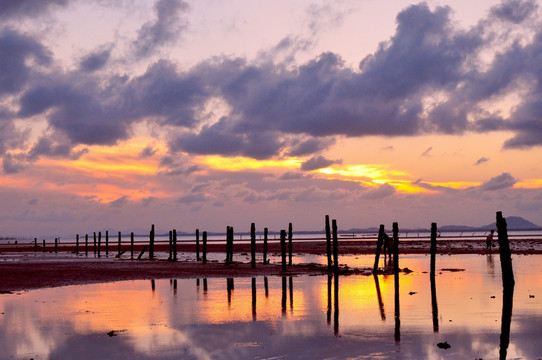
(515, 223)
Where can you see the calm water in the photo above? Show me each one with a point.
(273, 318)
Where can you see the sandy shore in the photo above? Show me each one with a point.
(21, 270)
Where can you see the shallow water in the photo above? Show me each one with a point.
(300, 317)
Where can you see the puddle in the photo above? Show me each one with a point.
(304, 317)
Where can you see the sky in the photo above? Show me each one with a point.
(115, 115)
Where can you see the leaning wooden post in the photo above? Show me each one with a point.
(197, 244)
(77, 244)
(335, 246)
(132, 245)
(433, 247)
(265, 232)
(508, 281)
(99, 242)
(174, 245)
(328, 243)
(119, 246)
(205, 247)
(107, 242)
(86, 244)
(151, 243)
(379, 243)
(395, 247)
(290, 244)
(283, 249)
(253, 244)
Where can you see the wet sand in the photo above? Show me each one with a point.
(21, 270)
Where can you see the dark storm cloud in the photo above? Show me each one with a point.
(318, 162)
(95, 60)
(514, 10)
(309, 146)
(165, 29)
(10, 8)
(16, 51)
(503, 181)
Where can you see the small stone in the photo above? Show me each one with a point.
(444, 345)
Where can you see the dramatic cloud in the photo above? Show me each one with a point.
(164, 30)
(383, 191)
(514, 10)
(10, 8)
(503, 181)
(318, 162)
(95, 60)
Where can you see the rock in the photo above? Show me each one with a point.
(444, 345)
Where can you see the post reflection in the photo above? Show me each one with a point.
(229, 287)
(379, 296)
(336, 304)
(253, 299)
(434, 304)
(283, 302)
(397, 308)
(291, 288)
(266, 286)
(506, 319)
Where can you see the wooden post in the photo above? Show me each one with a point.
(508, 281)
(328, 243)
(99, 242)
(151, 243)
(77, 244)
(433, 247)
(35, 244)
(283, 249)
(205, 247)
(197, 244)
(94, 247)
(43, 245)
(119, 244)
(132, 245)
(142, 252)
(253, 244)
(265, 232)
(379, 248)
(86, 244)
(174, 245)
(56, 245)
(335, 246)
(395, 247)
(106, 242)
(227, 261)
(290, 244)
(170, 257)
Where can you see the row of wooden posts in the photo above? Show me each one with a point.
(331, 246)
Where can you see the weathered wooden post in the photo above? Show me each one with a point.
(99, 242)
(119, 244)
(433, 247)
(151, 243)
(56, 245)
(197, 244)
(328, 243)
(290, 244)
(94, 247)
(142, 252)
(508, 281)
(43, 245)
(77, 244)
(174, 245)
(205, 247)
(35, 244)
(170, 257)
(434, 305)
(132, 245)
(283, 249)
(86, 244)
(395, 247)
(379, 248)
(106, 242)
(253, 244)
(265, 232)
(227, 261)
(335, 246)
